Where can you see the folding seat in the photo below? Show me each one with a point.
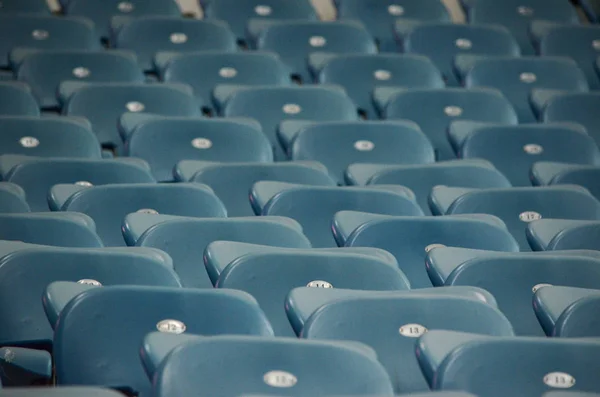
(315, 206)
(421, 179)
(544, 173)
(24, 6)
(517, 77)
(109, 204)
(268, 365)
(17, 99)
(171, 34)
(59, 294)
(203, 71)
(441, 42)
(36, 176)
(45, 70)
(517, 16)
(237, 13)
(518, 206)
(12, 199)
(434, 109)
(185, 239)
(21, 367)
(534, 365)
(102, 12)
(81, 333)
(164, 141)
(294, 41)
(379, 16)
(340, 144)
(360, 74)
(27, 271)
(560, 234)
(271, 105)
(233, 182)
(515, 149)
(103, 103)
(60, 392)
(513, 277)
(44, 32)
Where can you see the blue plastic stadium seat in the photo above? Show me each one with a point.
(533, 365)
(58, 294)
(12, 199)
(24, 6)
(513, 277)
(379, 16)
(269, 365)
(294, 41)
(185, 239)
(44, 32)
(409, 239)
(515, 149)
(390, 324)
(433, 110)
(518, 206)
(103, 104)
(561, 234)
(81, 333)
(62, 391)
(517, 77)
(233, 182)
(203, 71)
(16, 99)
(441, 42)
(171, 34)
(21, 367)
(109, 204)
(420, 179)
(315, 206)
(45, 70)
(360, 74)
(276, 271)
(27, 271)
(271, 105)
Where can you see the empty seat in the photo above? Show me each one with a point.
(12, 199)
(517, 77)
(434, 110)
(315, 206)
(27, 271)
(172, 34)
(564, 174)
(515, 149)
(420, 179)
(80, 333)
(567, 311)
(266, 365)
(560, 234)
(44, 32)
(518, 206)
(294, 41)
(233, 182)
(24, 6)
(24, 367)
(17, 99)
(59, 294)
(45, 70)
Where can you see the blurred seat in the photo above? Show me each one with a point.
(12, 199)
(60, 391)
(560, 234)
(564, 174)
(21, 367)
(17, 99)
(592, 9)
(24, 6)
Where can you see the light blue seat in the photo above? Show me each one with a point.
(294, 41)
(44, 32)
(517, 77)
(81, 333)
(513, 277)
(276, 271)
(434, 110)
(12, 199)
(174, 34)
(518, 206)
(60, 391)
(24, 6)
(567, 174)
(21, 367)
(185, 239)
(315, 206)
(568, 312)
(164, 141)
(103, 103)
(420, 179)
(37, 175)
(390, 324)
(515, 149)
(254, 365)
(27, 271)
(360, 74)
(409, 239)
(17, 99)
(560, 234)
(271, 105)
(108, 205)
(45, 70)
(441, 42)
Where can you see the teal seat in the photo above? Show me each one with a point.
(25, 6)
(12, 199)
(58, 392)
(58, 294)
(21, 367)
(563, 234)
(17, 99)
(544, 173)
